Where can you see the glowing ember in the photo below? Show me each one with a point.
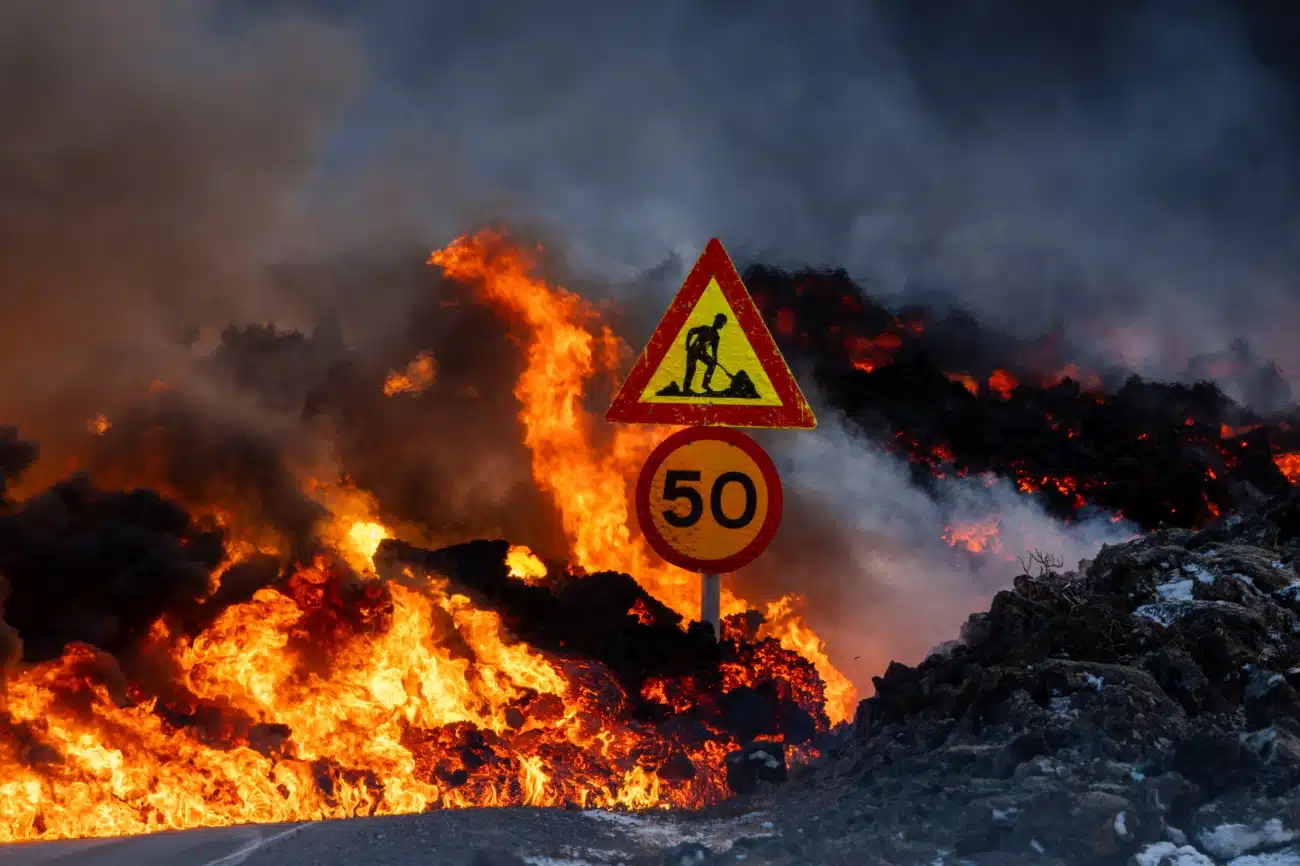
(868, 353)
(1289, 463)
(966, 381)
(1089, 382)
(980, 536)
(642, 613)
(1227, 432)
(1063, 485)
(1003, 383)
(524, 564)
(417, 378)
(99, 425)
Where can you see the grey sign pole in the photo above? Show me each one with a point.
(711, 602)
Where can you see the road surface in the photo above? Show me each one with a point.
(541, 837)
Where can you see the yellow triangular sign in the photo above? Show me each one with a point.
(712, 361)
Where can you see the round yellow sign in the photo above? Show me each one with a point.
(709, 499)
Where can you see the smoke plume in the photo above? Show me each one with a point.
(866, 550)
(168, 169)
(148, 163)
(1123, 169)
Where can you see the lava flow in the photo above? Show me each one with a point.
(956, 399)
(278, 680)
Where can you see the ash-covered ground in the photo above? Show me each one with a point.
(1142, 709)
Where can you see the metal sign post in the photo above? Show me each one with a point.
(711, 602)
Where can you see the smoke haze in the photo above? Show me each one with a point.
(1124, 169)
(1130, 162)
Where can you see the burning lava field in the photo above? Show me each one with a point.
(206, 626)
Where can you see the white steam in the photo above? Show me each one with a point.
(890, 587)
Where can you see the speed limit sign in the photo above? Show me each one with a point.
(708, 499)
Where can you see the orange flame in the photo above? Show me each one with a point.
(1003, 383)
(642, 612)
(589, 487)
(335, 693)
(524, 564)
(1289, 463)
(966, 381)
(417, 378)
(980, 536)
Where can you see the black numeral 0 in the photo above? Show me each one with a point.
(675, 489)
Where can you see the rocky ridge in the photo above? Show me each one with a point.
(1143, 709)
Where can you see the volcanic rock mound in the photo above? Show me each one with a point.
(956, 398)
(1144, 709)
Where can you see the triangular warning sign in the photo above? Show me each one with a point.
(712, 361)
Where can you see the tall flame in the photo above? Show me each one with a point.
(566, 347)
(335, 693)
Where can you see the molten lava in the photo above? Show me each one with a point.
(417, 378)
(524, 564)
(979, 536)
(1289, 464)
(331, 692)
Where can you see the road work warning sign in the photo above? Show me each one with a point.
(712, 361)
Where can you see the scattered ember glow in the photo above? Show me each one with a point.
(1065, 486)
(524, 564)
(980, 536)
(1227, 432)
(1289, 463)
(1088, 382)
(785, 322)
(417, 378)
(642, 613)
(966, 380)
(1003, 383)
(99, 425)
(868, 353)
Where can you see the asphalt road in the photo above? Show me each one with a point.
(542, 837)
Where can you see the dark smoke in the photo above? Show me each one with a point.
(148, 166)
(204, 460)
(99, 567)
(1122, 169)
(16, 457)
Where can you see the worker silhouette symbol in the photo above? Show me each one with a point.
(702, 344)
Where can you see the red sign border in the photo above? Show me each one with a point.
(794, 411)
(775, 500)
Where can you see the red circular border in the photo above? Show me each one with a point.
(749, 552)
